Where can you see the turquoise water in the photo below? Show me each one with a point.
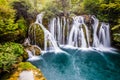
(80, 65)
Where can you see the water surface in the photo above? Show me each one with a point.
(80, 65)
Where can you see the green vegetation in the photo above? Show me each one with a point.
(105, 10)
(10, 54)
(17, 15)
(10, 30)
(26, 66)
(37, 35)
(21, 67)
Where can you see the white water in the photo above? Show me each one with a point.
(48, 37)
(104, 35)
(30, 54)
(96, 42)
(76, 34)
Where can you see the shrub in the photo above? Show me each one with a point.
(9, 54)
(10, 28)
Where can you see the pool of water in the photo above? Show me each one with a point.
(80, 65)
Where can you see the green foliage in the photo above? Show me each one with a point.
(115, 27)
(5, 2)
(10, 28)
(111, 12)
(57, 8)
(9, 53)
(26, 9)
(116, 37)
(77, 7)
(6, 61)
(105, 10)
(50, 10)
(7, 19)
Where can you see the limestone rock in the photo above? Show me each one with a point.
(34, 49)
(26, 71)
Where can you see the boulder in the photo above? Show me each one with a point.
(34, 49)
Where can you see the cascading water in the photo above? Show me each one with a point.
(95, 29)
(78, 64)
(101, 36)
(76, 34)
(47, 35)
(58, 28)
(77, 37)
(104, 35)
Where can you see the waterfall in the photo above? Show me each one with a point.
(48, 37)
(67, 36)
(104, 35)
(77, 37)
(75, 33)
(96, 42)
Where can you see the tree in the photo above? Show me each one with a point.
(9, 29)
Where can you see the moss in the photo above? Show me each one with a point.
(24, 56)
(36, 34)
(21, 67)
(26, 66)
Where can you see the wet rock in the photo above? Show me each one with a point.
(34, 49)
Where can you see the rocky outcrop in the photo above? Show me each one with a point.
(35, 73)
(34, 49)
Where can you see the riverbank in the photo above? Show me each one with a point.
(22, 67)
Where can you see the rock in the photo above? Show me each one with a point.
(26, 42)
(37, 50)
(34, 49)
(26, 71)
(26, 75)
(87, 19)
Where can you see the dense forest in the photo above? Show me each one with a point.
(17, 15)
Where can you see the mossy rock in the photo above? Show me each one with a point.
(24, 66)
(25, 56)
(36, 35)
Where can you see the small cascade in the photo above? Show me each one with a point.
(96, 42)
(59, 28)
(32, 50)
(65, 34)
(101, 34)
(104, 35)
(30, 54)
(77, 37)
(48, 37)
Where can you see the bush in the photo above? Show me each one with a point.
(10, 30)
(9, 55)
